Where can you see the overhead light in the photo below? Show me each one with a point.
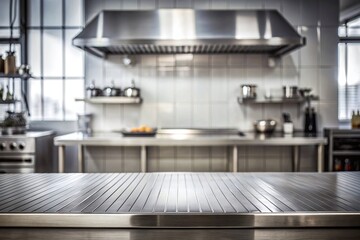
(129, 61)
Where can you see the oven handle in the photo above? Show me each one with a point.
(22, 156)
(24, 160)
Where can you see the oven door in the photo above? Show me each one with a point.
(24, 163)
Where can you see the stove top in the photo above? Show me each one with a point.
(28, 134)
(200, 131)
(21, 143)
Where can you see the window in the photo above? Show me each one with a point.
(57, 66)
(349, 70)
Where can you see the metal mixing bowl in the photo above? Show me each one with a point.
(265, 126)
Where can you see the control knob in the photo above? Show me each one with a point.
(13, 146)
(2, 146)
(22, 145)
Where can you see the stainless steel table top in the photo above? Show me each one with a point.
(188, 200)
(29, 134)
(250, 138)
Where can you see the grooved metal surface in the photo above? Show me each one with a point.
(250, 138)
(201, 49)
(236, 195)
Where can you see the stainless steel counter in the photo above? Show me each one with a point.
(29, 134)
(250, 138)
(232, 141)
(181, 200)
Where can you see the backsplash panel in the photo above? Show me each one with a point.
(202, 90)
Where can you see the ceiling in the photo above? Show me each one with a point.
(349, 9)
(344, 4)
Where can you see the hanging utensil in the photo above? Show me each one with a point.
(26, 103)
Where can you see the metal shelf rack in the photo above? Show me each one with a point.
(111, 100)
(299, 100)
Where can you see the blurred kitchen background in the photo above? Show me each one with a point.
(185, 90)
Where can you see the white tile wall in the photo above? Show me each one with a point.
(219, 115)
(113, 118)
(92, 8)
(238, 4)
(183, 114)
(218, 85)
(309, 55)
(309, 78)
(166, 4)
(112, 4)
(130, 4)
(147, 4)
(327, 13)
(218, 4)
(310, 12)
(201, 4)
(328, 84)
(148, 114)
(201, 90)
(328, 58)
(290, 76)
(291, 11)
(273, 4)
(201, 115)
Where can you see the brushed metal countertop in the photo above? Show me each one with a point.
(29, 134)
(186, 200)
(250, 138)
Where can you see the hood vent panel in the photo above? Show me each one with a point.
(199, 49)
(172, 31)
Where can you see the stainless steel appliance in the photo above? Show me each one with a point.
(248, 91)
(170, 31)
(290, 92)
(132, 91)
(265, 126)
(27, 153)
(93, 91)
(111, 91)
(343, 149)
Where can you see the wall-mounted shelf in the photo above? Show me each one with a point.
(9, 101)
(298, 100)
(346, 153)
(8, 40)
(111, 100)
(23, 76)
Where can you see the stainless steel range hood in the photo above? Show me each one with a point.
(170, 31)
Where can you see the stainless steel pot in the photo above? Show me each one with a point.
(112, 91)
(265, 126)
(24, 69)
(290, 92)
(14, 123)
(304, 92)
(93, 91)
(248, 91)
(132, 91)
